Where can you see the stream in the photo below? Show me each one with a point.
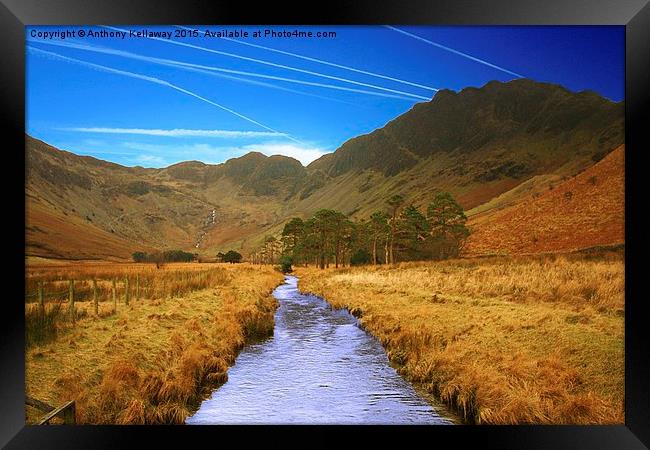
(319, 367)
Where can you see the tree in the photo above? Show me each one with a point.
(358, 238)
(292, 238)
(324, 229)
(413, 232)
(166, 256)
(271, 248)
(379, 231)
(329, 236)
(310, 242)
(139, 256)
(395, 202)
(220, 256)
(447, 221)
(158, 258)
(360, 257)
(285, 264)
(341, 231)
(177, 256)
(232, 257)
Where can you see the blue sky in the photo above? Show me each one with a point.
(155, 102)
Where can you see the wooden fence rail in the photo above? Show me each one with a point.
(67, 411)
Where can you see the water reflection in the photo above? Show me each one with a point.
(319, 367)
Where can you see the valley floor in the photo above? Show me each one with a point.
(154, 360)
(502, 340)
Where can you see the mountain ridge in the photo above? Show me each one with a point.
(478, 144)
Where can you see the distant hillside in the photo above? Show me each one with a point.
(55, 234)
(142, 208)
(482, 141)
(490, 147)
(584, 211)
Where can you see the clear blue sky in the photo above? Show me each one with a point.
(149, 102)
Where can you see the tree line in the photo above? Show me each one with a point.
(401, 232)
(231, 256)
(165, 256)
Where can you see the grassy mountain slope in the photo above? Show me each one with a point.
(144, 208)
(50, 233)
(483, 141)
(583, 211)
(490, 147)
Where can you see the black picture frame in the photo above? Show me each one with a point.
(633, 14)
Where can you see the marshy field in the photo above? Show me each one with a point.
(536, 339)
(530, 339)
(150, 361)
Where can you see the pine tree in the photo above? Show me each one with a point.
(447, 220)
(395, 202)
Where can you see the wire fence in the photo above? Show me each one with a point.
(47, 313)
(49, 307)
(54, 308)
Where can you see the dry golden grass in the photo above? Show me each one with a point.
(502, 341)
(155, 359)
(145, 279)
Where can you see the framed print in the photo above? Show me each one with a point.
(369, 218)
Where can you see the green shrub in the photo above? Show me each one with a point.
(286, 262)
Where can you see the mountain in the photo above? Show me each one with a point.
(139, 208)
(491, 147)
(482, 141)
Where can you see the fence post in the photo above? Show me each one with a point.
(41, 305)
(126, 290)
(114, 298)
(137, 286)
(95, 301)
(71, 301)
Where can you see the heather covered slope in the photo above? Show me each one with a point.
(583, 211)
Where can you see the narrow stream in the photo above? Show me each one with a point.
(319, 367)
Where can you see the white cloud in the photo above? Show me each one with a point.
(151, 160)
(211, 154)
(302, 153)
(176, 132)
(192, 151)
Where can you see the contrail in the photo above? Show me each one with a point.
(454, 51)
(160, 82)
(211, 69)
(176, 132)
(212, 72)
(281, 66)
(320, 61)
(108, 51)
